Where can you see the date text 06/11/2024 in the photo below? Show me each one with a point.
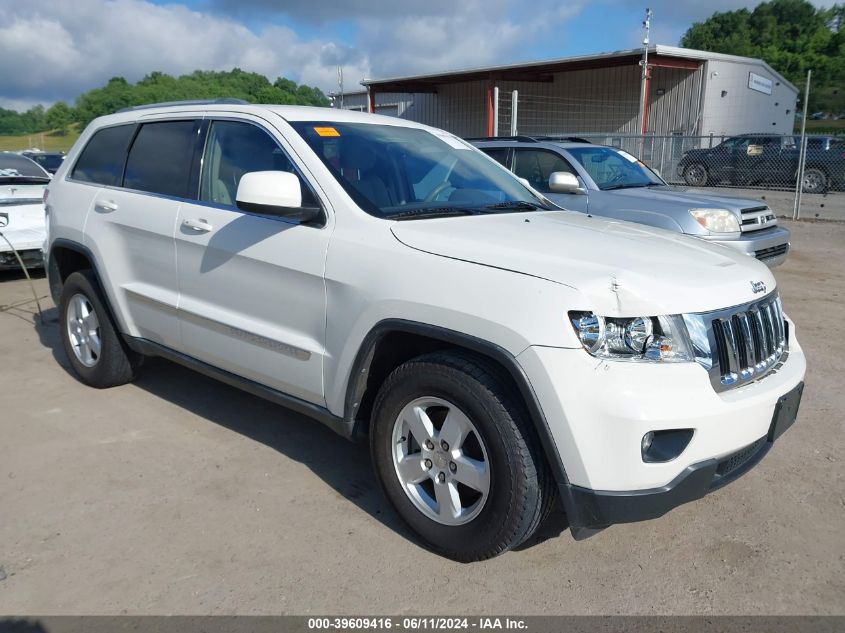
(416, 623)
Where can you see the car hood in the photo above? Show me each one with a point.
(622, 269)
(642, 197)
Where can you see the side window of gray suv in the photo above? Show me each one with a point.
(536, 165)
(235, 148)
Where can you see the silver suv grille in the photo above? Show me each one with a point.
(740, 344)
(757, 218)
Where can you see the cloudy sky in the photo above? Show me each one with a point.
(55, 49)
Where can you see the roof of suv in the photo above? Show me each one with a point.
(531, 142)
(287, 112)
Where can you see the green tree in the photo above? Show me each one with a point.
(58, 116)
(791, 35)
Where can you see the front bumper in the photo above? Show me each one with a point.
(770, 245)
(598, 413)
(595, 509)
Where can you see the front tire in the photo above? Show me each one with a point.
(95, 350)
(455, 455)
(815, 180)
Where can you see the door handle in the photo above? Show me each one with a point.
(200, 226)
(106, 206)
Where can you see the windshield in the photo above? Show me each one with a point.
(392, 171)
(614, 169)
(18, 168)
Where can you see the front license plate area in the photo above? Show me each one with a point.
(786, 410)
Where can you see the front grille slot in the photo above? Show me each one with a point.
(756, 218)
(746, 342)
(732, 463)
(771, 252)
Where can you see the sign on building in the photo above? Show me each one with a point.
(760, 83)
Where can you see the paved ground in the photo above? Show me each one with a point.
(180, 495)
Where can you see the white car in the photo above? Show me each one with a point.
(393, 282)
(22, 223)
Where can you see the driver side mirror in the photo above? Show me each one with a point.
(564, 182)
(274, 193)
(4, 220)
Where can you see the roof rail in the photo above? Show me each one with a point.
(530, 139)
(523, 139)
(568, 139)
(189, 102)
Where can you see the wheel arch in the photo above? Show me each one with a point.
(394, 341)
(67, 257)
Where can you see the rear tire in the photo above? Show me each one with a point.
(695, 175)
(96, 352)
(485, 493)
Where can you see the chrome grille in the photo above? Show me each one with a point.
(740, 344)
(756, 218)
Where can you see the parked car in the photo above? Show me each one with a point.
(22, 184)
(391, 281)
(611, 183)
(51, 161)
(755, 159)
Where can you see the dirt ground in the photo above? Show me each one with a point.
(179, 495)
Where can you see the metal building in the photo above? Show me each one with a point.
(688, 92)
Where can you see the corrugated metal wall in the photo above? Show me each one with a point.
(604, 100)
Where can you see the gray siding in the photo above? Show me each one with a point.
(606, 101)
(742, 109)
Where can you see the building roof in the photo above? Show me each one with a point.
(671, 56)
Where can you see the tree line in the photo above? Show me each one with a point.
(793, 36)
(157, 87)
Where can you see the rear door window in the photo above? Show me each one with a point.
(102, 160)
(499, 154)
(161, 158)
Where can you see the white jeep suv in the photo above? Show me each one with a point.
(393, 282)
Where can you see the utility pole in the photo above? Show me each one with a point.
(643, 109)
(340, 84)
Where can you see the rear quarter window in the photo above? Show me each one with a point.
(101, 162)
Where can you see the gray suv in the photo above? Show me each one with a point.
(609, 182)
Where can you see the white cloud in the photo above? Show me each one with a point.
(60, 49)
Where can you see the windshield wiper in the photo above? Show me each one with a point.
(431, 212)
(516, 205)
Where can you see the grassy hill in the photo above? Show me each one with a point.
(52, 141)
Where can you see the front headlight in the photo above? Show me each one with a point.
(716, 220)
(657, 339)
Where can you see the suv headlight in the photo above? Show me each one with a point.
(716, 220)
(655, 339)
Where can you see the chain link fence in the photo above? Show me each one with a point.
(761, 166)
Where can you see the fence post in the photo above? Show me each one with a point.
(514, 102)
(802, 154)
(495, 110)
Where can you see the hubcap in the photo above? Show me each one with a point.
(441, 461)
(813, 181)
(83, 330)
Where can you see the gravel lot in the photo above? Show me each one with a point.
(178, 495)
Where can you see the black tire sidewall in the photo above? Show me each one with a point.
(507, 486)
(113, 367)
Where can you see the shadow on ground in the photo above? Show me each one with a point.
(343, 465)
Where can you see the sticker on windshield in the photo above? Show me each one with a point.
(326, 131)
(451, 141)
(627, 156)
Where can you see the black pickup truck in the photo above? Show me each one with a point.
(756, 159)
